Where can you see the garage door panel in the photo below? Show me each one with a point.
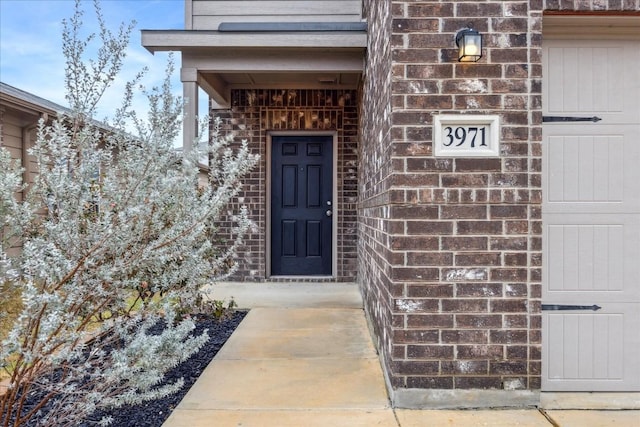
(591, 216)
(592, 168)
(587, 351)
(592, 257)
(591, 77)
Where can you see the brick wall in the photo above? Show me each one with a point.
(471, 291)
(374, 172)
(451, 247)
(256, 112)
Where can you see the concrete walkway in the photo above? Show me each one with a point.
(303, 356)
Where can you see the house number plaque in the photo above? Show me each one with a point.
(464, 135)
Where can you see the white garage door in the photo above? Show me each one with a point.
(591, 216)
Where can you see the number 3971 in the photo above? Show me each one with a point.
(465, 136)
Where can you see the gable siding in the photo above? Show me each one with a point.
(209, 14)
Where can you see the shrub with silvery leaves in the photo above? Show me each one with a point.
(114, 230)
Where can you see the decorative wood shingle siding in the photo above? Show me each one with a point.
(209, 14)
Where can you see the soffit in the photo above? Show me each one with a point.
(219, 62)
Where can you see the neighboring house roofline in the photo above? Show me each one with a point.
(28, 102)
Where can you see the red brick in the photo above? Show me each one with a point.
(478, 9)
(516, 321)
(414, 304)
(431, 321)
(414, 367)
(478, 70)
(466, 180)
(417, 337)
(479, 289)
(429, 259)
(510, 367)
(509, 274)
(429, 165)
(458, 243)
(477, 258)
(479, 227)
(510, 55)
(464, 306)
(508, 211)
(414, 212)
(420, 10)
(433, 71)
(415, 25)
(517, 352)
(509, 306)
(464, 367)
(480, 351)
(478, 321)
(413, 243)
(414, 274)
(463, 212)
(429, 227)
(430, 382)
(430, 290)
(509, 336)
(483, 382)
(478, 165)
(464, 336)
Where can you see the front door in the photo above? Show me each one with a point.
(302, 205)
(591, 216)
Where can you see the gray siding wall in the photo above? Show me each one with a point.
(208, 14)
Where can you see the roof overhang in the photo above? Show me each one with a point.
(223, 60)
(174, 40)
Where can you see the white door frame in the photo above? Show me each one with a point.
(336, 205)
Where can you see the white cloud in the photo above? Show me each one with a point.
(30, 45)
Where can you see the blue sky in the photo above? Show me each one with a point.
(31, 44)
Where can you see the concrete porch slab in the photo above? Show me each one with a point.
(288, 295)
(288, 384)
(298, 343)
(472, 418)
(263, 319)
(300, 333)
(596, 418)
(307, 418)
(590, 400)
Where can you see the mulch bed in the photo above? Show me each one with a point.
(154, 413)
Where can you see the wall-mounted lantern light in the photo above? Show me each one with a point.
(469, 44)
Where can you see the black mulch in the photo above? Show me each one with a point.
(154, 413)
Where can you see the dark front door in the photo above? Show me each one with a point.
(301, 205)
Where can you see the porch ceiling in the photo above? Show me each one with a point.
(220, 61)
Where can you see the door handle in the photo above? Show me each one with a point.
(329, 212)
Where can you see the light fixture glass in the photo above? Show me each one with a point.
(469, 44)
